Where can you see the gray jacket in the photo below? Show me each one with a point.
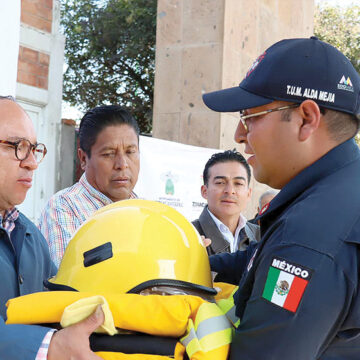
(206, 226)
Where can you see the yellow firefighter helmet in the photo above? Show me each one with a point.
(133, 245)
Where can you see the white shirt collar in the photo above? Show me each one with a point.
(225, 231)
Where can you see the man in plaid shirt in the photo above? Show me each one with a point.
(109, 155)
(24, 255)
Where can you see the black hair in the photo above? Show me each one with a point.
(341, 126)
(222, 157)
(98, 118)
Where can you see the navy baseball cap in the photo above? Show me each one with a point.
(294, 70)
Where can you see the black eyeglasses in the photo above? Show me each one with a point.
(23, 147)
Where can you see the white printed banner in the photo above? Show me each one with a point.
(171, 173)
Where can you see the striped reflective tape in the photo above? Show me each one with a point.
(191, 334)
(210, 333)
(229, 308)
(230, 314)
(207, 327)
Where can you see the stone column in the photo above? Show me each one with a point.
(206, 45)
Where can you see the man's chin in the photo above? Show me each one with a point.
(123, 194)
(15, 202)
(21, 196)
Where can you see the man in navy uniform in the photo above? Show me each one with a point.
(298, 294)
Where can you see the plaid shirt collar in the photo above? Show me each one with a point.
(96, 193)
(8, 221)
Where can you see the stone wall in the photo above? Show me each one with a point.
(206, 45)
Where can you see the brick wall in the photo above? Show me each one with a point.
(33, 66)
(37, 13)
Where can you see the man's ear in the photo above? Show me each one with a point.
(204, 191)
(83, 158)
(249, 192)
(310, 114)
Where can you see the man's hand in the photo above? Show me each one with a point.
(73, 341)
(206, 241)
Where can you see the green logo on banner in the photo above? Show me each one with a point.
(169, 187)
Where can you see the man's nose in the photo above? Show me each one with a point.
(229, 188)
(240, 133)
(30, 162)
(121, 161)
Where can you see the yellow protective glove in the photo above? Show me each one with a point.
(83, 308)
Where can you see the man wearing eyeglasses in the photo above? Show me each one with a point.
(298, 295)
(24, 255)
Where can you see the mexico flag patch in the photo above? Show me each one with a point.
(286, 283)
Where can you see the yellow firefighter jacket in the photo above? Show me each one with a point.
(202, 328)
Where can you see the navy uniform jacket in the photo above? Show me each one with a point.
(298, 294)
(24, 264)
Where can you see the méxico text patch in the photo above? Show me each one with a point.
(286, 283)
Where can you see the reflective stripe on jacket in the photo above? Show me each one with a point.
(225, 301)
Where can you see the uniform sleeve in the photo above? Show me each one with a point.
(298, 300)
(230, 266)
(57, 223)
(19, 342)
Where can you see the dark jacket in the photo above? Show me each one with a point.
(24, 264)
(206, 226)
(299, 295)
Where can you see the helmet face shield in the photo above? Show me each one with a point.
(175, 290)
(131, 245)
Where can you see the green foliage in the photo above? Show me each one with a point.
(340, 27)
(110, 55)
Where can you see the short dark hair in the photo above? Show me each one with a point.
(222, 157)
(100, 117)
(341, 126)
